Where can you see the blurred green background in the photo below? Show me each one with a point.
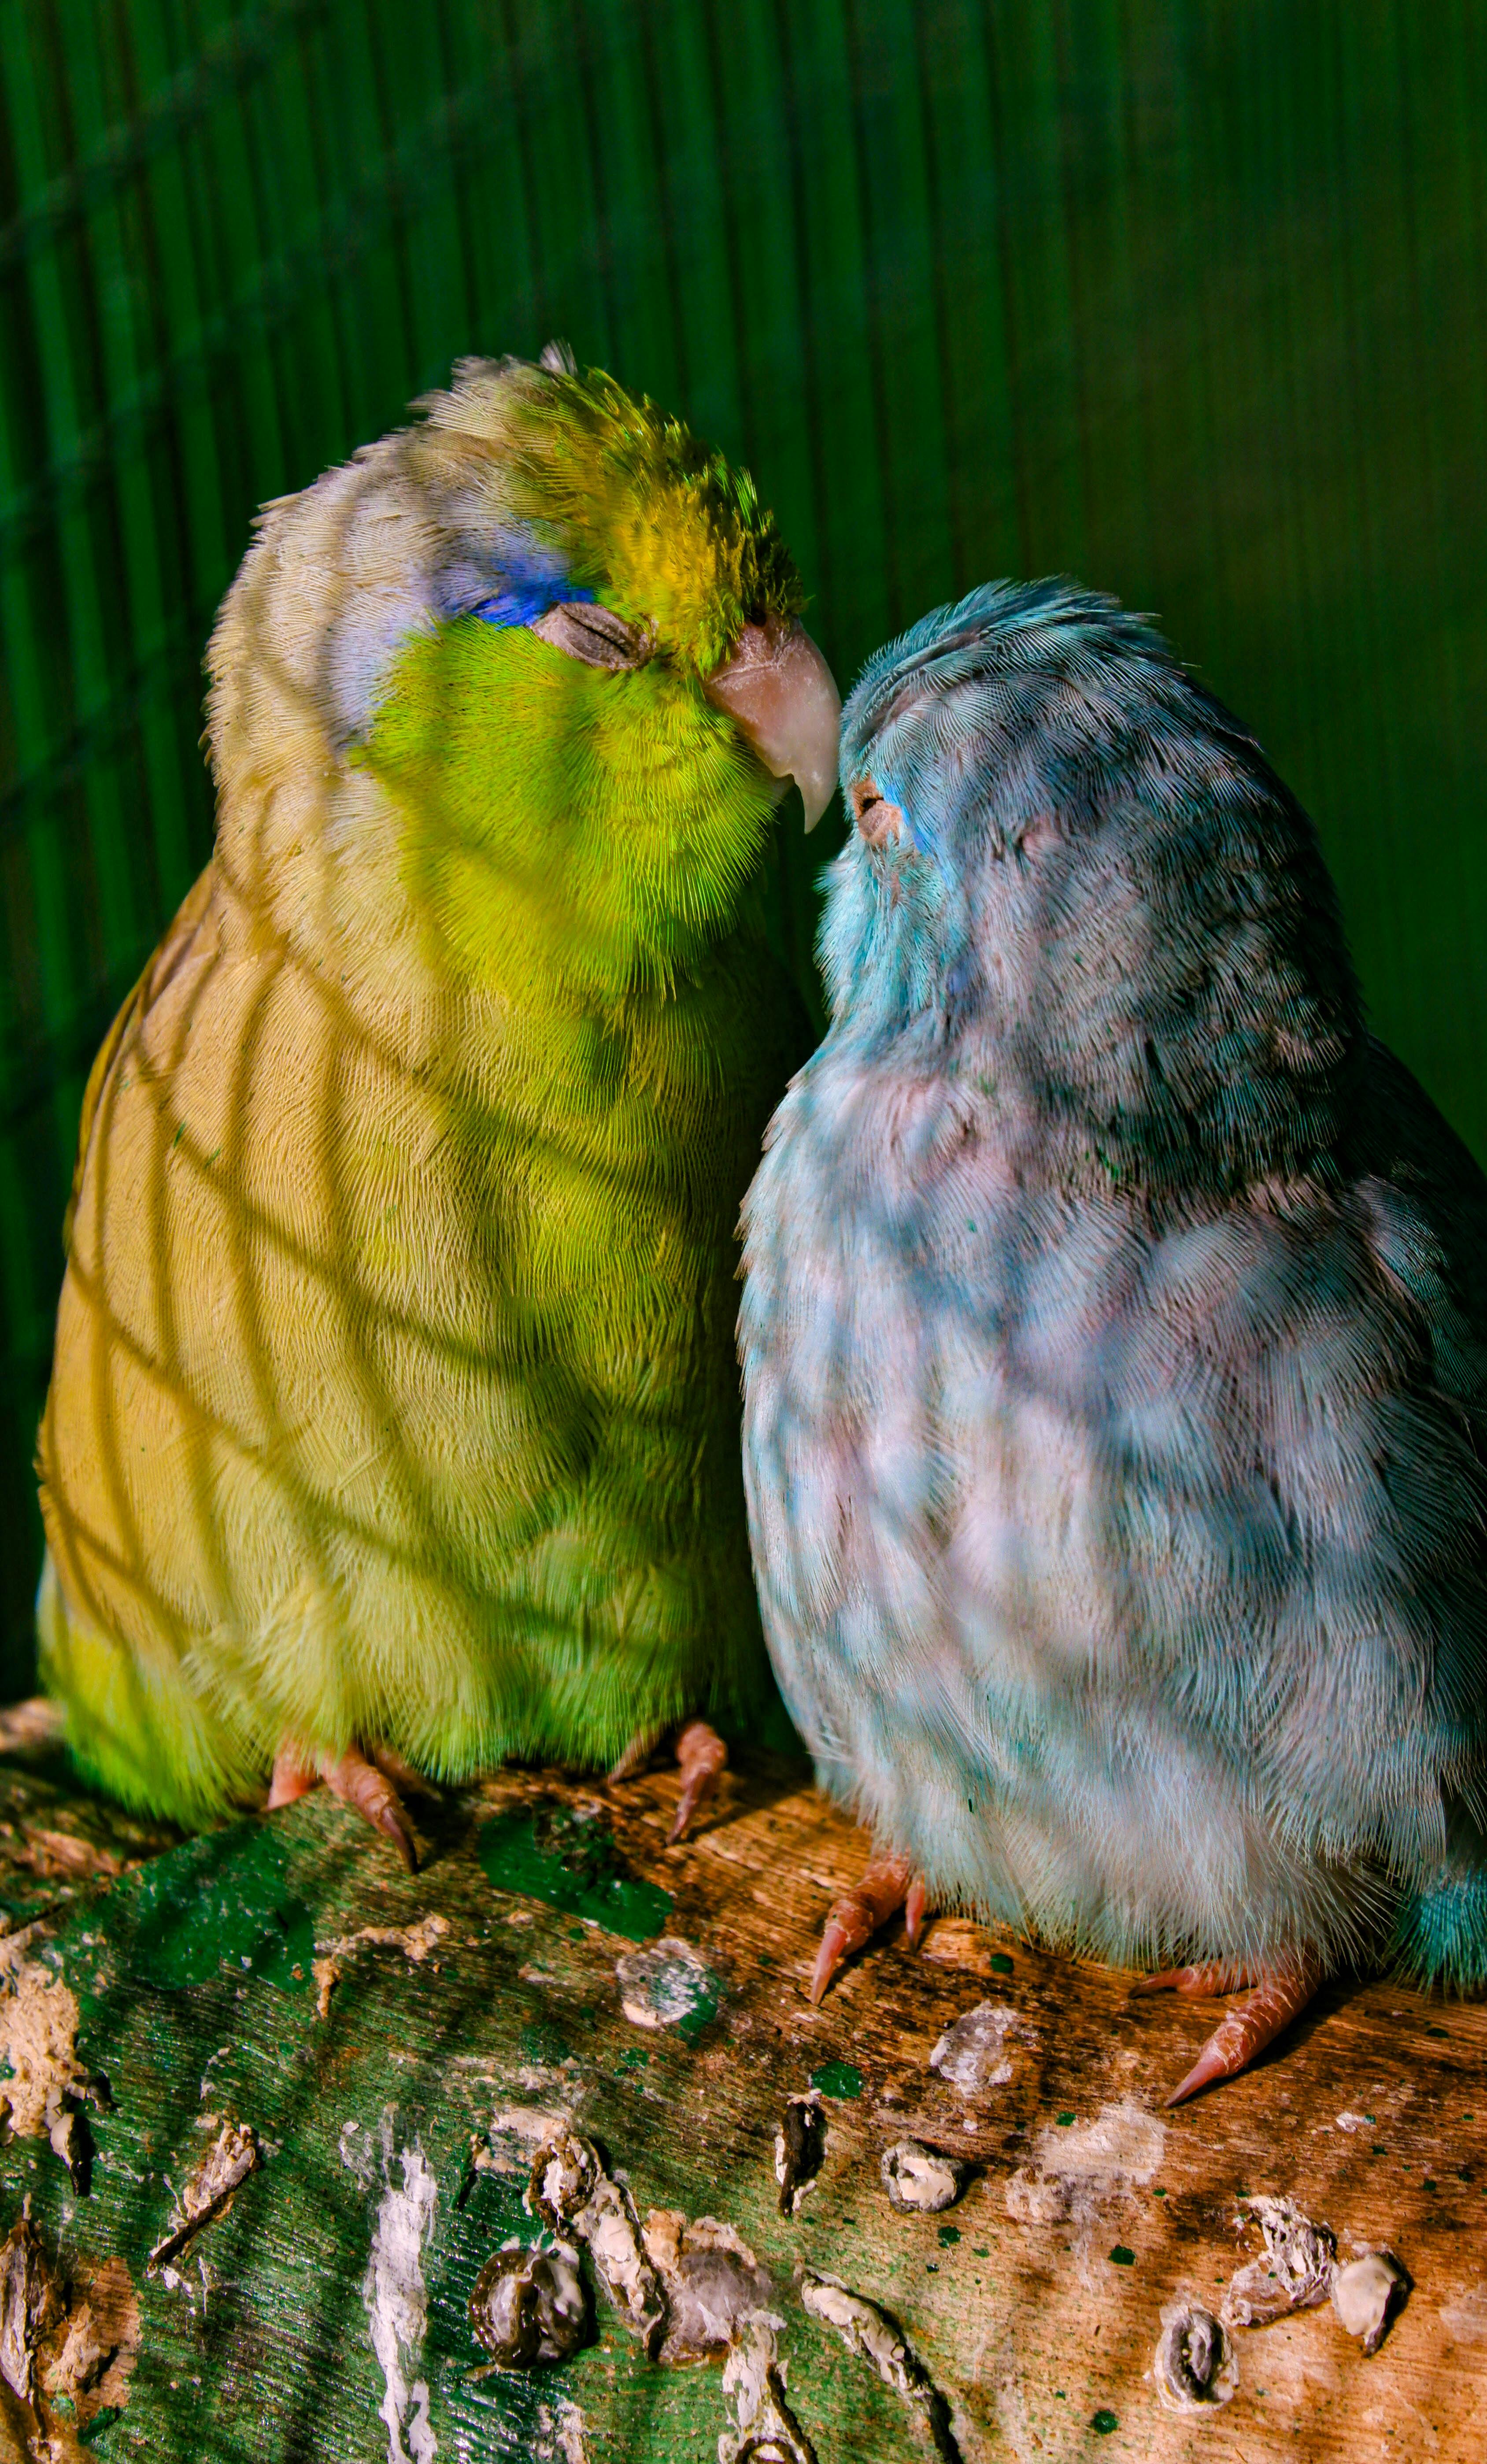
(1185, 296)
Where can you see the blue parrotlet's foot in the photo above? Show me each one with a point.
(1114, 1338)
(852, 1920)
(1277, 1996)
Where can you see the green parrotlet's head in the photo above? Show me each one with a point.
(591, 694)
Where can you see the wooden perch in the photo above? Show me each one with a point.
(331, 2087)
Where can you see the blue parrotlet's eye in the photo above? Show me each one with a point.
(878, 820)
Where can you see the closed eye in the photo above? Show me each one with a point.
(595, 634)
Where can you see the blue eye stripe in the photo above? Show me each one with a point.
(522, 602)
(508, 579)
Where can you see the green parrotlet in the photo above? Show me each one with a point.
(394, 1420)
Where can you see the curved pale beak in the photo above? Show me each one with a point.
(777, 689)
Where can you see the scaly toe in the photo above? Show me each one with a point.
(1199, 1984)
(916, 1907)
(401, 1773)
(855, 1917)
(1243, 2033)
(295, 1775)
(359, 1783)
(701, 1755)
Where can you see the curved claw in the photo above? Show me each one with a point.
(358, 1783)
(1199, 1984)
(843, 1933)
(1242, 2034)
(855, 1917)
(915, 1909)
(700, 1757)
(367, 1786)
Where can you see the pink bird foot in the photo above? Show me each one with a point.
(1280, 1993)
(887, 1886)
(369, 1785)
(701, 1758)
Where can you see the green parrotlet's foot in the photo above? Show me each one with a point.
(1281, 1990)
(887, 1886)
(368, 1784)
(701, 1758)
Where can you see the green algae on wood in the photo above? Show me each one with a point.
(219, 1903)
(568, 1859)
(838, 2079)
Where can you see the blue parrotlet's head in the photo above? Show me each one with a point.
(1067, 850)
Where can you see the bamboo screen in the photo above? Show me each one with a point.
(1185, 296)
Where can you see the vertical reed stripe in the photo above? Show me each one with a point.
(492, 193)
(898, 247)
(688, 196)
(636, 272)
(963, 175)
(571, 237)
(839, 375)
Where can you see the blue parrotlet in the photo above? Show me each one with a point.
(1113, 1343)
